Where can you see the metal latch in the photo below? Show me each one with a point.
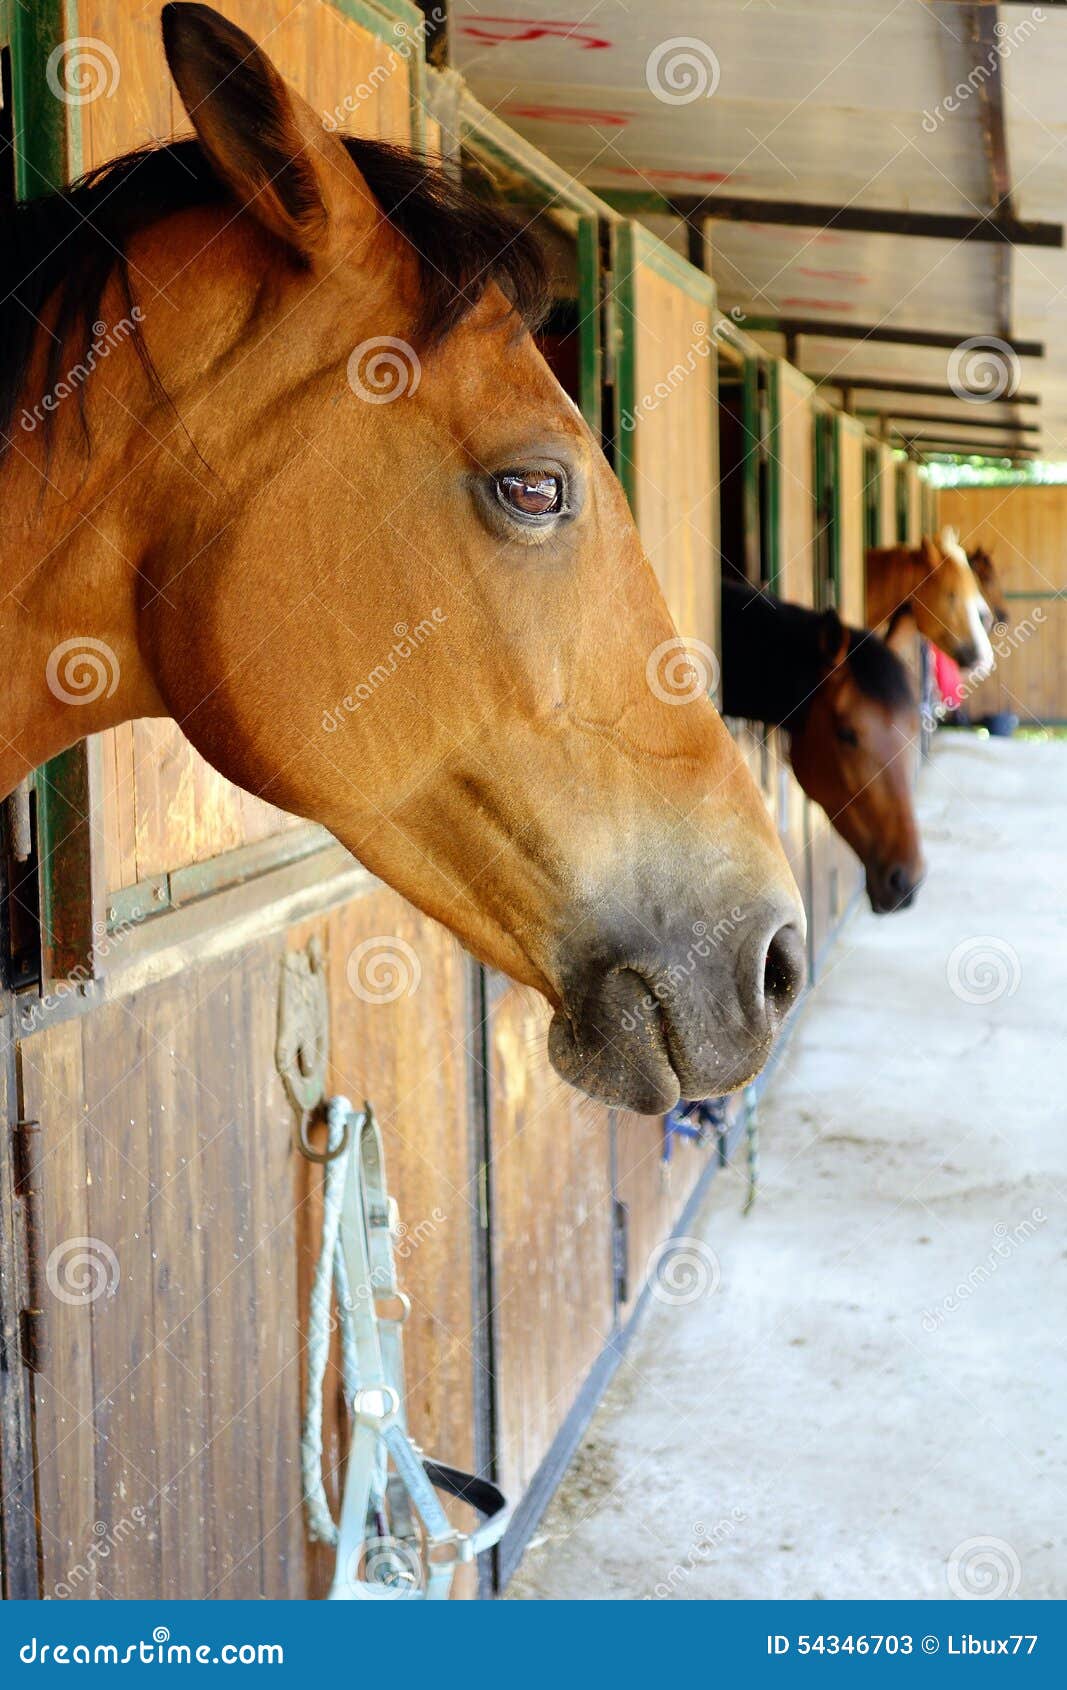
(33, 1331)
(620, 1257)
(303, 1048)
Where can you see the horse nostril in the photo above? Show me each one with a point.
(783, 971)
(898, 882)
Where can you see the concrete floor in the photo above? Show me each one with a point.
(870, 1401)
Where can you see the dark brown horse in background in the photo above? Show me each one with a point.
(847, 703)
(988, 578)
(327, 417)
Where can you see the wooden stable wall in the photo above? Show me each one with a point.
(167, 1411)
(1025, 530)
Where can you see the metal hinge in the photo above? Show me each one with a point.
(620, 1255)
(33, 1331)
(610, 319)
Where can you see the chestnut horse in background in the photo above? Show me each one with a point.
(848, 705)
(934, 583)
(326, 417)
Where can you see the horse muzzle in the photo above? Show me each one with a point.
(693, 1017)
(892, 887)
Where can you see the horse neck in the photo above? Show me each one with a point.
(68, 582)
(771, 657)
(893, 573)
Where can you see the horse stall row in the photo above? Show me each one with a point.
(187, 969)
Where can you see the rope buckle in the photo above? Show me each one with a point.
(376, 1405)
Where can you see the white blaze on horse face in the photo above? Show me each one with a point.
(979, 618)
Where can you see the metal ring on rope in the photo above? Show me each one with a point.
(307, 1149)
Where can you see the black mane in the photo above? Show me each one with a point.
(69, 244)
(879, 672)
(774, 656)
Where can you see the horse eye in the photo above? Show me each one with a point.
(848, 736)
(530, 493)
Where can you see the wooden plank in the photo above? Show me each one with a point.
(64, 1396)
(552, 1209)
(793, 452)
(1023, 529)
(852, 591)
(18, 1502)
(673, 445)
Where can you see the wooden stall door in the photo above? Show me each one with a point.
(793, 451)
(668, 464)
(851, 443)
(176, 1220)
(1025, 531)
(666, 434)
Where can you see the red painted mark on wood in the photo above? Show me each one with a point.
(833, 275)
(495, 31)
(673, 175)
(572, 114)
(821, 304)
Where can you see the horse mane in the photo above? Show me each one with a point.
(774, 656)
(878, 671)
(69, 244)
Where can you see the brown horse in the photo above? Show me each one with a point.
(988, 577)
(937, 585)
(231, 518)
(848, 706)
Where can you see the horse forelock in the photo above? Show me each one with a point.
(65, 248)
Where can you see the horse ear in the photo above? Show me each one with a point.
(265, 143)
(833, 639)
(932, 556)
